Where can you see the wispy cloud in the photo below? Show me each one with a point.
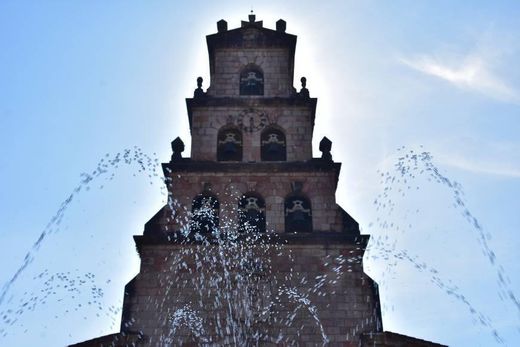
(476, 155)
(473, 73)
(481, 167)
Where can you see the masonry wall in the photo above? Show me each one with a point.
(296, 122)
(318, 186)
(229, 63)
(173, 277)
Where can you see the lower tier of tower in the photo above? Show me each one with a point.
(287, 197)
(251, 291)
(303, 289)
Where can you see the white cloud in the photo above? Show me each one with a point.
(481, 167)
(476, 155)
(472, 74)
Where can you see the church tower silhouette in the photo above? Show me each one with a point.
(252, 248)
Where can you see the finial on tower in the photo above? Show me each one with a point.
(252, 17)
(177, 149)
(304, 92)
(251, 22)
(221, 26)
(281, 25)
(199, 93)
(325, 147)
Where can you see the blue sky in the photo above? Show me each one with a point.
(80, 80)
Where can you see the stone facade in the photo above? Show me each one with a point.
(157, 292)
(273, 185)
(229, 63)
(296, 120)
(273, 260)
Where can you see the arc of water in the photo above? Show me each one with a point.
(129, 156)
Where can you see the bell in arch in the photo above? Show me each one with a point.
(252, 212)
(298, 217)
(273, 146)
(229, 145)
(230, 149)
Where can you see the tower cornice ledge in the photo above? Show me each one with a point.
(313, 165)
(249, 102)
(324, 238)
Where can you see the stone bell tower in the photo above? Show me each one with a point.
(252, 171)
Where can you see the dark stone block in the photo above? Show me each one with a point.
(281, 25)
(221, 26)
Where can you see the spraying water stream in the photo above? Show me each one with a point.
(250, 301)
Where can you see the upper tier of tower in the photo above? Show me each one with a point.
(251, 61)
(251, 111)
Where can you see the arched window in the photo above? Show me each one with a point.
(251, 209)
(205, 210)
(298, 214)
(251, 81)
(273, 145)
(229, 145)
